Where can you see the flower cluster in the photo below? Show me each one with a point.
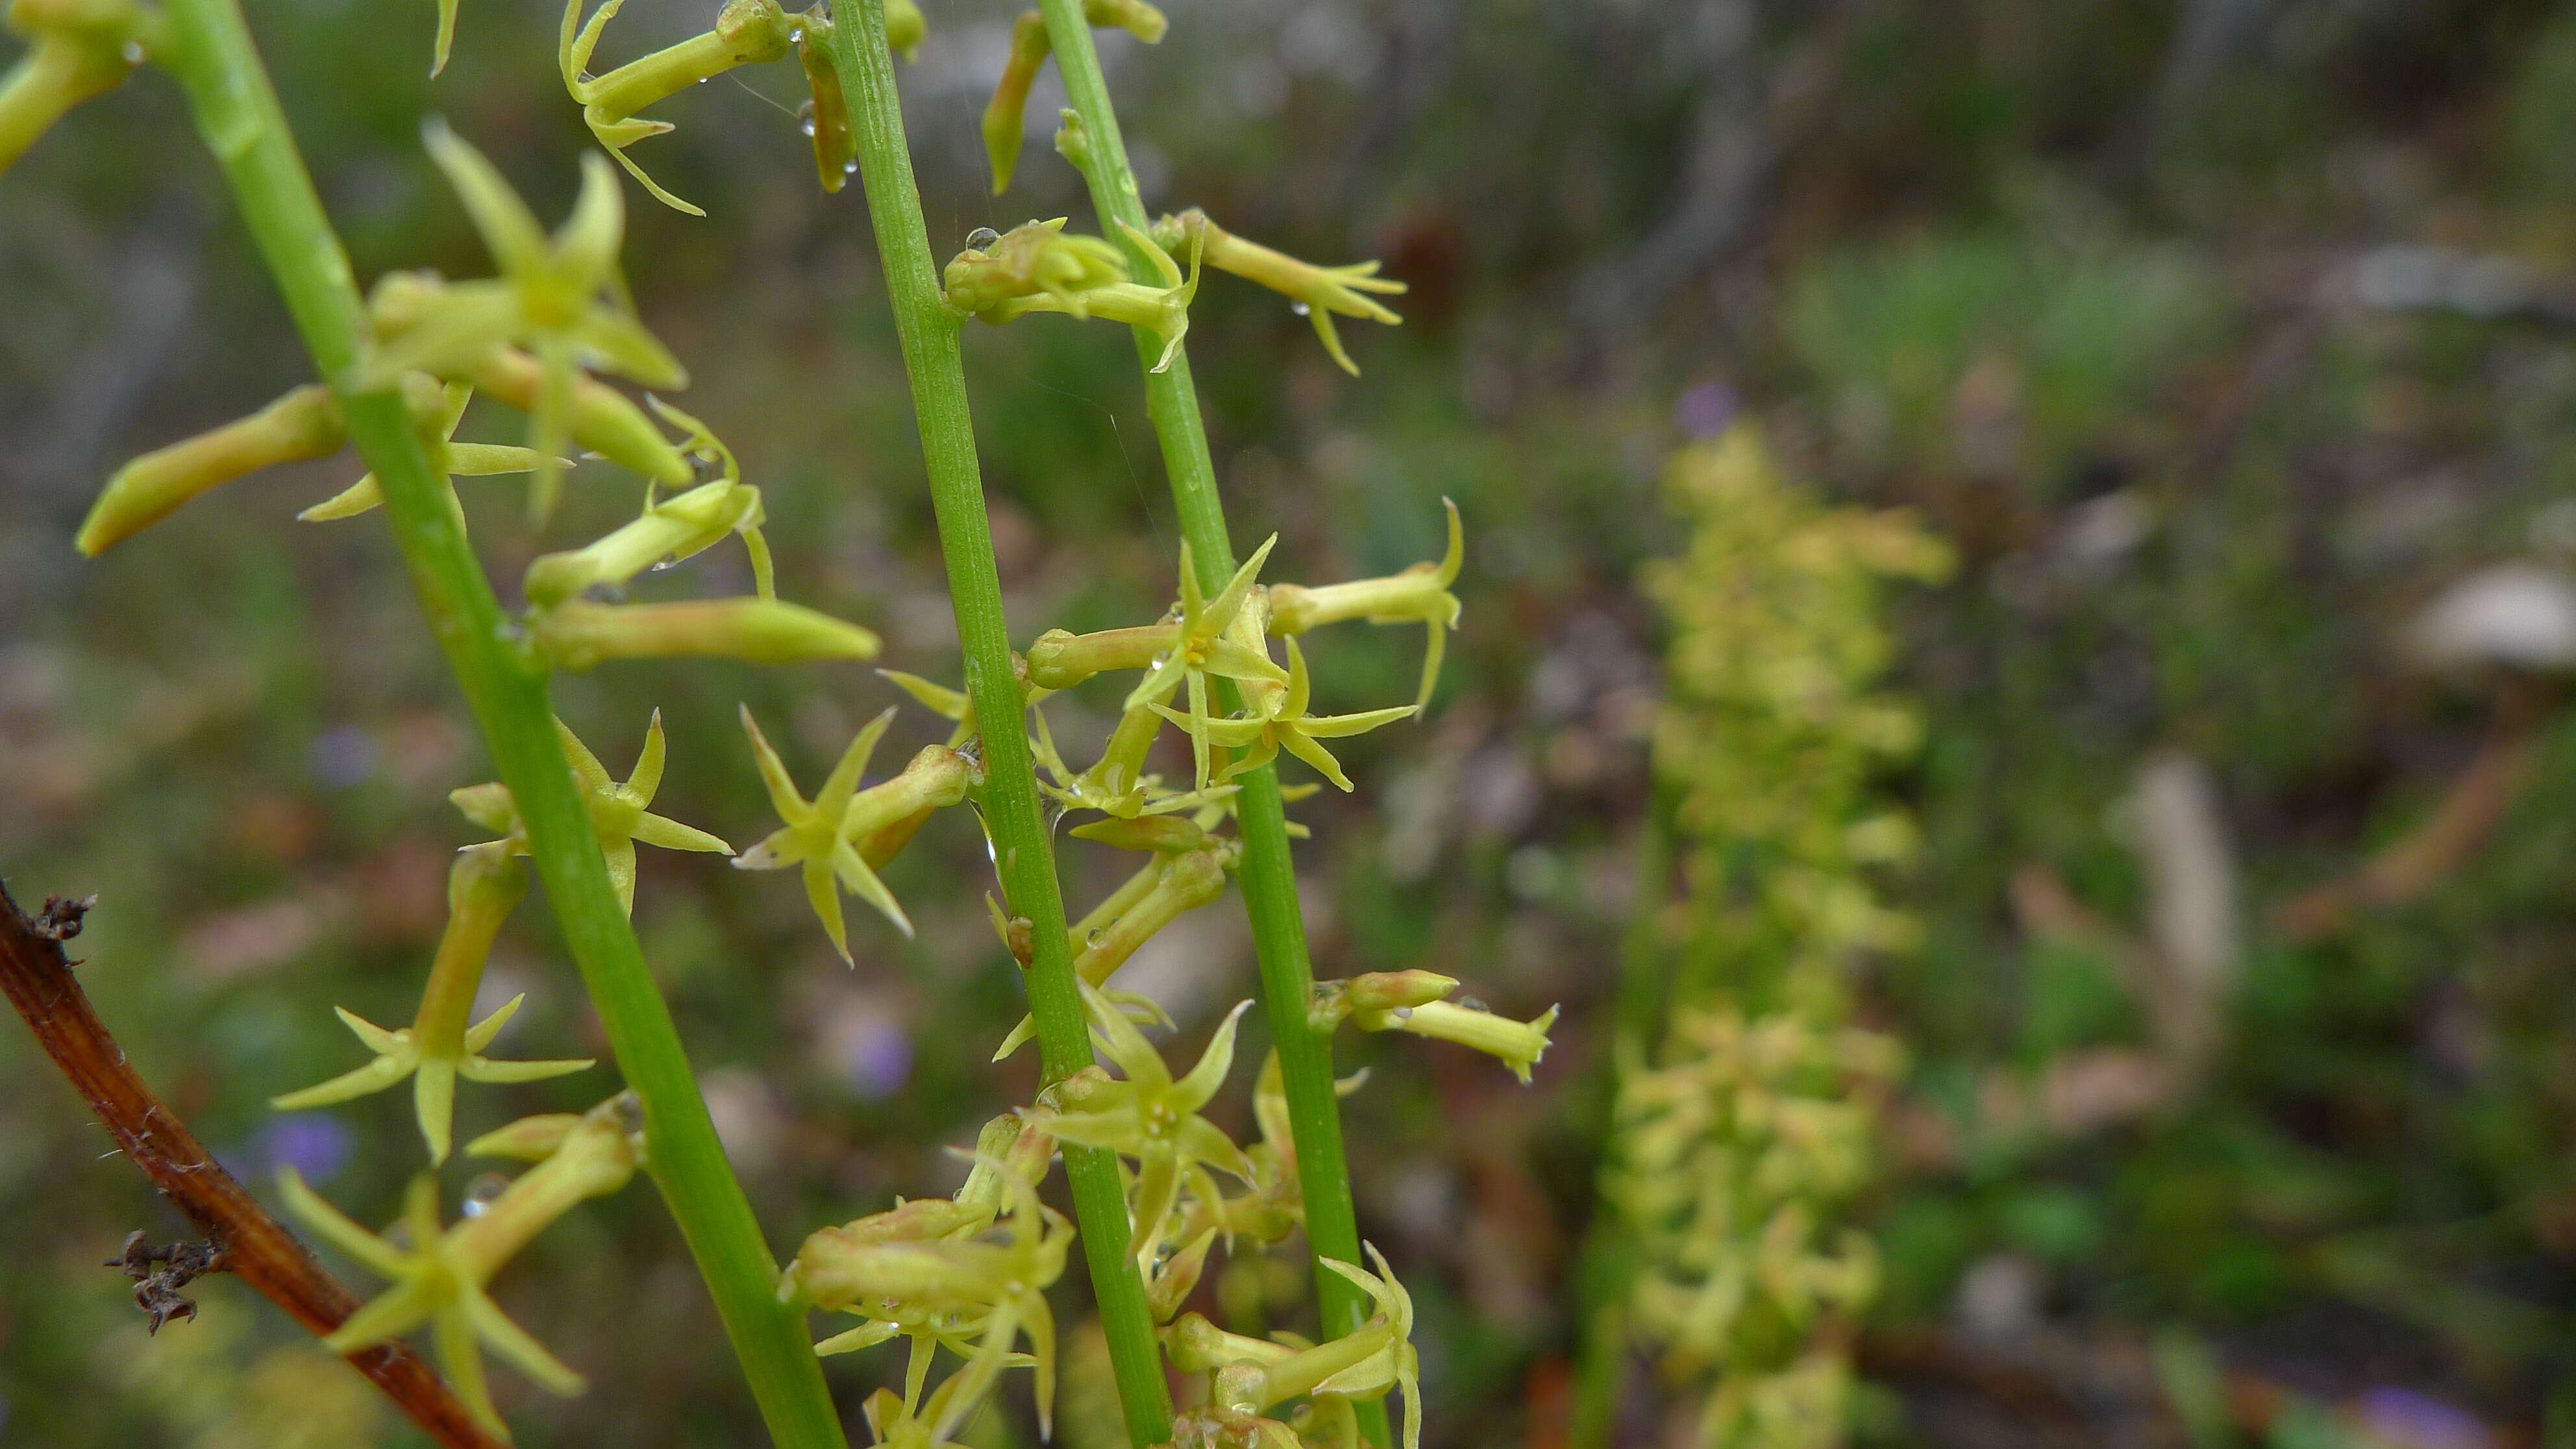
(964, 1274)
(1751, 1125)
(527, 339)
(967, 1275)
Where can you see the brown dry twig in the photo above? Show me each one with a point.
(2468, 812)
(240, 1236)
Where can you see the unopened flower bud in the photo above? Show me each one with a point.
(302, 425)
(1517, 1044)
(576, 635)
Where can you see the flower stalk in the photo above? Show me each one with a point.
(209, 49)
(1267, 874)
(933, 361)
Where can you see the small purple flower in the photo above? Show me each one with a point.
(343, 756)
(1704, 409)
(877, 1060)
(313, 1143)
(2403, 1417)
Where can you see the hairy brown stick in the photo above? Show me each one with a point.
(243, 1239)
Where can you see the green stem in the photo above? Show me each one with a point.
(932, 359)
(212, 54)
(1608, 1259)
(1268, 874)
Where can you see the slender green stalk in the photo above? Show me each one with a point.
(1268, 875)
(1608, 1261)
(212, 54)
(932, 359)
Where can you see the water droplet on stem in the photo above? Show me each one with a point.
(482, 1192)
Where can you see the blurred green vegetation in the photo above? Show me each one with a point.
(2220, 336)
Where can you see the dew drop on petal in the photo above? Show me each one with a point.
(133, 52)
(981, 238)
(702, 80)
(1300, 308)
(1402, 1013)
(482, 1192)
(849, 168)
(796, 36)
(805, 115)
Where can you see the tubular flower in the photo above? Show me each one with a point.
(996, 1283)
(598, 416)
(1416, 1001)
(1029, 259)
(1148, 1116)
(76, 50)
(1202, 639)
(1419, 593)
(811, 833)
(1176, 883)
(1290, 728)
(439, 1047)
(576, 635)
(746, 32)
(669, 531)
(1163, 311)
(448, 457)
(1117, 785)
(1217, 1425)
(562, 299)
(1029, 51)
(1317, 293)
(302, 425)
(1254, 1375)
(617, 814)
(1397, 1365)
(438, 1275)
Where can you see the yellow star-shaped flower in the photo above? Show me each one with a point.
(1290, 728)
(617, 814)
(810, 835)
(438, 1275)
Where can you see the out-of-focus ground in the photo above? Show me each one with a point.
(2221, 336)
